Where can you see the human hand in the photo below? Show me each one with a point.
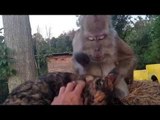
(70, 95)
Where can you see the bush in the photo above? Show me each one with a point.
(5, 69)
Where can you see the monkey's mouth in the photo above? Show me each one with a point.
(98, 58)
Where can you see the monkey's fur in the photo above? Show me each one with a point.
(97, 49)
(42, 92)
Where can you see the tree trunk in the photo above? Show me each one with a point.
(18, 38)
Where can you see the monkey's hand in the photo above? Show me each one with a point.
(110, 79)
(116, 84)
(82, 58)
(81, 62)
(99, 98)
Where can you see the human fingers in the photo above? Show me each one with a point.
(61, 91)
(70, 86)
(79, 87)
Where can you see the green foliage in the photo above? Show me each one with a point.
(41, 48)
(5, 69)
(4, 91)
(122, 24)
(140, 39)
(155, 45)
(44, 47)
(5, 62)
(62, 44)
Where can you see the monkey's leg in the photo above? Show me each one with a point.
(121, 88)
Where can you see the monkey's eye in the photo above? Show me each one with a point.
(91, 38)
(101, 37)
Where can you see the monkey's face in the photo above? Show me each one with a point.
(98, 39)
(99, 46)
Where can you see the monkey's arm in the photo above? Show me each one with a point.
(125, 65)
(126, 60)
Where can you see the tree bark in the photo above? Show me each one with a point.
(18, 38)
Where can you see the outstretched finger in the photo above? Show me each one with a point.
(70, 86)
(61, 91)
(79, 87)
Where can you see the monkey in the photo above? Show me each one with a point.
(98, 49)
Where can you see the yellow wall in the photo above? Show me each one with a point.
(140, 75)
(153, 69)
